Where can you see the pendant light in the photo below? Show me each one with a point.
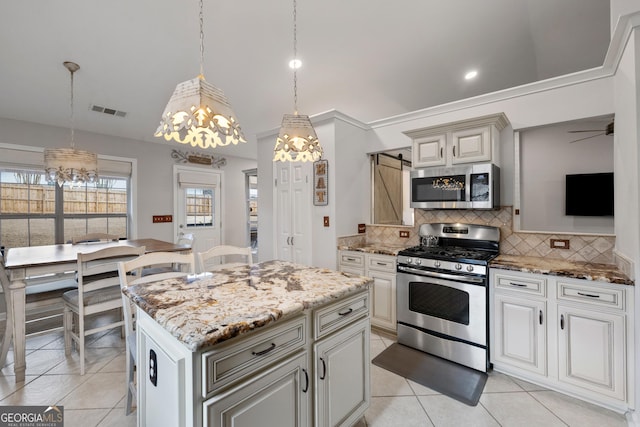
(199, 113)
(68, 164)
(297, 140)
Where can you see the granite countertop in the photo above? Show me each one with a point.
(205, 309)
(374, 249)
(557, 267)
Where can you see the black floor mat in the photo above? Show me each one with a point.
(456, 381)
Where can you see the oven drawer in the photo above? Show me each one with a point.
(530, 284)
(340, 314)
(381, 263)
(591, 293)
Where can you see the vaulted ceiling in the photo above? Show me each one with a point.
(370, 59)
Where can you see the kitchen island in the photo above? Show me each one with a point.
(274, 343)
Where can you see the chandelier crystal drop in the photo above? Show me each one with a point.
(198, 113)
(297, 140)
(70, 165)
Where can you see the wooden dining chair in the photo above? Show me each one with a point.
(216, 257)
(94, 237)
(98, 292)
(130, 273)
(185, 239)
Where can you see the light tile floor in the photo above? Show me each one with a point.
(97, 398)
(506, 401)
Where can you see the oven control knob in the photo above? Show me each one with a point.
(437, 264)
(418, 261)
(458, 267)
(469, 268)
(409, 261)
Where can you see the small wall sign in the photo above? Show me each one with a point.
(321, 183)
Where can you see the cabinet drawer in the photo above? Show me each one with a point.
(591, 293)
(381, 263)
(233, 361)
(340, 314)
(352, 259)
(530, 285)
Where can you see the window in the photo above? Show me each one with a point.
(199, 206)
(34, 212)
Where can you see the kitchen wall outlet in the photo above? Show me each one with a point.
(362, 228)
(559, 243)
(404, 234)
(162, 218)
(326, 221)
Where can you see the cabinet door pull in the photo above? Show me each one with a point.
(265, 351)
(292, 240)
(288, 240)
(324, 369)
(306, 381)
(381, 263)
(441, 151)
(562, 321)
(454, 151)
(351, 259)
(582, 294)
(344, 313)
(540, 317)
(520, 285)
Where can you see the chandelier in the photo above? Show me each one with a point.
(70, 165)
(297, 140)
(198, 113)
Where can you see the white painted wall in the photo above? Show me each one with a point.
(546, 156)
(155, 174)
(627, 164)
(343, 142)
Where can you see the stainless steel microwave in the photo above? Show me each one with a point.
(473, 186)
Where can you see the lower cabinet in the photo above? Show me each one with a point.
(280, 396)
(520, 333)
(382, 269)
(311, 370)
(566, 334)
(341, 364)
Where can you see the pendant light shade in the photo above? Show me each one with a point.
(199, 113)
(297, 140)
(69, 164)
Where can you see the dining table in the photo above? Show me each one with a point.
(21, 263)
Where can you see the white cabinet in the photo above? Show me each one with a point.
(341, 364)
(293, 211)
(566, 334)
(467, 141)
(382, 269)
(429, 151)
(520, 333)
(280, 396)
(312, 369)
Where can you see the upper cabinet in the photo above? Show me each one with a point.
(467, 141)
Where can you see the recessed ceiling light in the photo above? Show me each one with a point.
(471, 75)
(295, 63)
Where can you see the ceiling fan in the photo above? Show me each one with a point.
(608, 130)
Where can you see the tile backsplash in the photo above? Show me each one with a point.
(589, 248)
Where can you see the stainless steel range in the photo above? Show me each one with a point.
(442, 292)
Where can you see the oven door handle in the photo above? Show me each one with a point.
(470, 279)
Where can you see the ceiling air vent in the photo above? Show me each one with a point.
(109, 111)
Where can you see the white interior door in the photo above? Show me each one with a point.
(198, 205)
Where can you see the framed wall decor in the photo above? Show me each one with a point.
(321, 183)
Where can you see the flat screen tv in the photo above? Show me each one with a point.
(589, 194)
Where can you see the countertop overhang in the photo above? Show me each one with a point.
(202, 310)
